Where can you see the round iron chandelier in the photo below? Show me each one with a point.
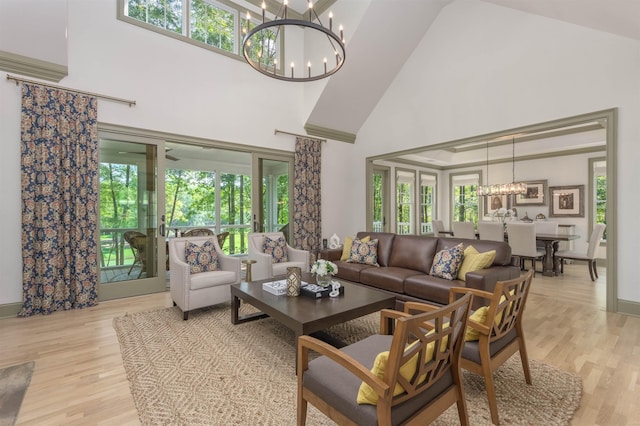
(262, 43)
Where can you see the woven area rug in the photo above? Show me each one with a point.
(14, 381)
(206, 371)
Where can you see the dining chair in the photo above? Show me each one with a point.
(494, 332)
(407, 374)
(438, 227)
(545, 227)
(464, 230)
(491, 231)
(522, 239)
(590, 255)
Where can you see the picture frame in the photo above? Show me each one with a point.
(495, 202)
(536, 194)
(566, 201)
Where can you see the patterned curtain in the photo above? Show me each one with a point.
(59, 200)
(307, 219)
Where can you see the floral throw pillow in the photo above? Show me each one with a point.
(276, 248)
(447, 262)
(364, 252)
(202, 258)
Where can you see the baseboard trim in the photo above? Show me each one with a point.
(10, 309)
(629, 307)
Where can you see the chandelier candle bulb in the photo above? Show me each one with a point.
(264, 7)
(341, 33)
(291, 69)
(285, 3)
(330, 21)
(325, 65)
(309, 68)
(248, 21)
(310, 12)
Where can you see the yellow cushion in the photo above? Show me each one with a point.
(474, 261)
(346, 249)
(366, 394)
(480, 316)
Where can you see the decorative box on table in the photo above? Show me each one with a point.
(318, 292)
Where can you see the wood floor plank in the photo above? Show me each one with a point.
(79, 377)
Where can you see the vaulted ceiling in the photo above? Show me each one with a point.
(351, 94)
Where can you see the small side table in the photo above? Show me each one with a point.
(248, 263)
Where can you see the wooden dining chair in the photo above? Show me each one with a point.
(494, 332)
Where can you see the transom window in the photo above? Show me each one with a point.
(216, 25)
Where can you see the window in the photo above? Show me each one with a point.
(206, 23)
(427, 201)
(405, 184)
(599, 182)
(464, 199)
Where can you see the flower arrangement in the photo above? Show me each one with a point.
(322, 268)
(502, 214)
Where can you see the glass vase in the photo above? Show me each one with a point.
(323, 280)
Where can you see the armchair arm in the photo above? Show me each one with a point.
(387, 320)
(307, 343)
(179, 280)
(297, 255)
(263, 268)
(230, 263)
(453, 291)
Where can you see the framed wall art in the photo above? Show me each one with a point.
(566, 201)
(492, 203)
(536, 194)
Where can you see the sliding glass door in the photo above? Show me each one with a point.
(272, 189)
(132, 243)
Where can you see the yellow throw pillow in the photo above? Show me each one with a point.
(479, 316)
(366, 394)
(474, 261)
(346, 249)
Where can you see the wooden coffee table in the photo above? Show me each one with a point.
(305, 315)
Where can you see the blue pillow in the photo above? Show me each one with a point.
(202, 258)
(446, 263)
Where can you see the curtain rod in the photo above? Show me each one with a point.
(97, 95)
(276, 131)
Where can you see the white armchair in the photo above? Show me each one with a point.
(192, 291)
(265, 267)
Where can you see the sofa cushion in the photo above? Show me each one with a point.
(276, 248)
(474, 261)
(364, 252)
(346, 248)
(389, 278)
(447, 262)
(413, 252)
(427, 287)
(351, 271)
(202, 258)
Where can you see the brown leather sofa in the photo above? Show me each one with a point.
(405, 262)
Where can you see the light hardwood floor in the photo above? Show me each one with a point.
(79, 378)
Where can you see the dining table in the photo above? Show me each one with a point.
(551, 264)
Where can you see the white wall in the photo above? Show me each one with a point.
(483, 68)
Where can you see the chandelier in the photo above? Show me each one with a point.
(512, 188)
(259, 45)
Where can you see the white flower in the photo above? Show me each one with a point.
(323, 267)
